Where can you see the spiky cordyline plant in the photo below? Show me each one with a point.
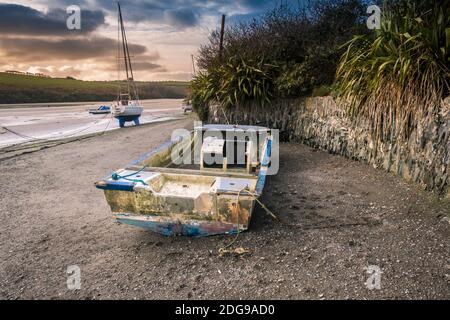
(401, 71)
(243, 80)
(232, 84)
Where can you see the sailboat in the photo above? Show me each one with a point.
(127, 107)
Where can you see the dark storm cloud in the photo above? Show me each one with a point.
(32, 49)
(256, 4)
(141, 63)
(176, 13)
(147, 66)
(21, 20)
(31, 36)
(181, 14)
(181, 17)
(136, 11)
(22, 31)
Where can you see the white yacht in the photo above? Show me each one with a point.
(127, 107)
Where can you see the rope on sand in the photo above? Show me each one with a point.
(240, 250)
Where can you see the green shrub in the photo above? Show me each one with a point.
(232, 84)
(284, 54)
(408, 57)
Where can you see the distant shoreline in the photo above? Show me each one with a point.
(25, 89)
(63, 104)
(46, 104)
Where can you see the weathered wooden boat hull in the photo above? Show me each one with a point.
(208, 214)
(187, 202)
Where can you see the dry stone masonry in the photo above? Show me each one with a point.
(322, 123)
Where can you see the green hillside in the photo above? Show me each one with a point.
(31, 89)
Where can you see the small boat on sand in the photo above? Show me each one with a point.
(100, 110)
(199, 185)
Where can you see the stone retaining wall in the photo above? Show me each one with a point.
(320, 122)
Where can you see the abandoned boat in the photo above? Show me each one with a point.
(127, 107)
(198, 185)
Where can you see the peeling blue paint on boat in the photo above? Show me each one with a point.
(263, 172)
(116, 185)
(266, 159)
(261, 181)
(188, 228)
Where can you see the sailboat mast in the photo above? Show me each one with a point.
(123, 40)
(119, 81)
(126, 54)
(130, 68)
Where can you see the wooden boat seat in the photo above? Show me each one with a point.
(192, 172)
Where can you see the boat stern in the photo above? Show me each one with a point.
(180, 204)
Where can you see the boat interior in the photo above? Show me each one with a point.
(213, 168)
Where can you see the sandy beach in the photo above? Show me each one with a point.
(347, 216)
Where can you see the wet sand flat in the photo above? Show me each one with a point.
(53, 121)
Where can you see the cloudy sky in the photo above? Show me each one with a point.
(162, 35)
